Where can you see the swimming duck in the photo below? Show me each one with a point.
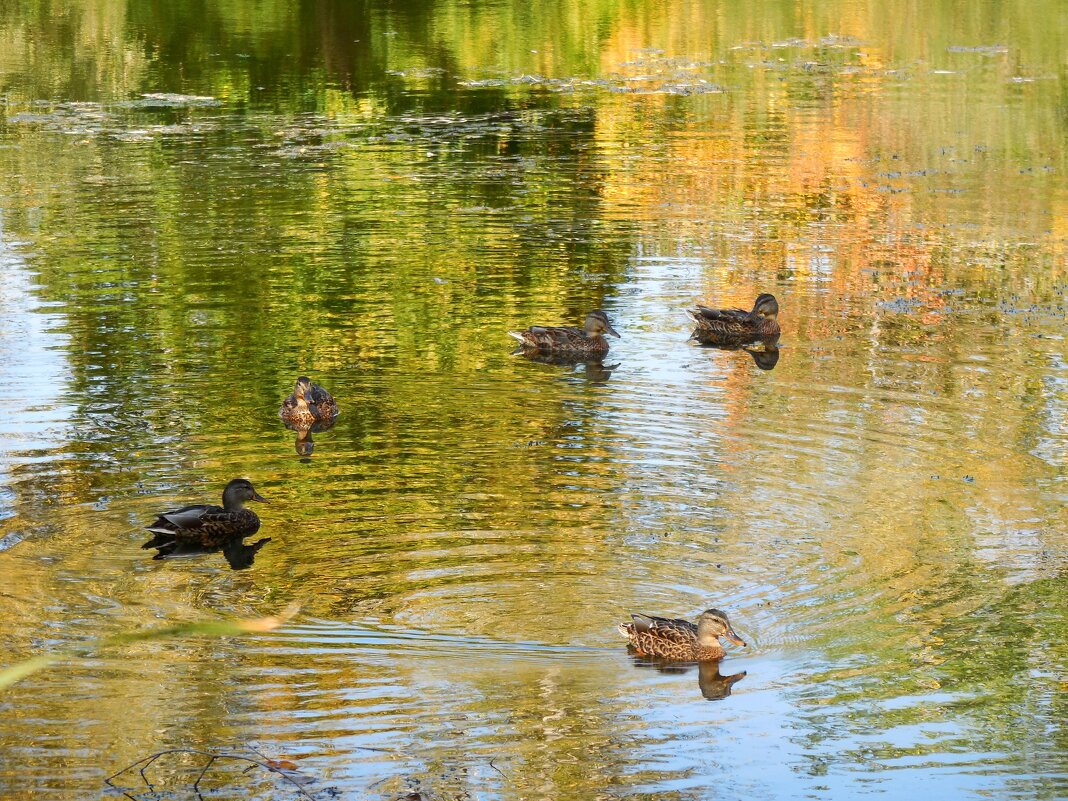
(308, 404)
(566, 339)
(205, 525)
(681, 640)
(733, 327)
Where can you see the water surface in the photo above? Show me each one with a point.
(199, 204)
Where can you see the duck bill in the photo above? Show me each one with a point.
(734, 638)
(257, 497)
(611, 330)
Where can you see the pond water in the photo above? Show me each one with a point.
(200, 202)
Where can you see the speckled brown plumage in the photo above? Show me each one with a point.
(207, 526)
(307, 405)
(680, 640)
(588, 340)
(734, 327)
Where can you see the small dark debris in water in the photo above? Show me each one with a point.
(969, 479)
(936, 477)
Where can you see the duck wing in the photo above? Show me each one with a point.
(673, 630)
(321, 403)
(318, 395)
(721, 315)
(550, 338)
(723, 327)
(188, 517)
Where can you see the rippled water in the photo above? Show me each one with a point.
(197, 206)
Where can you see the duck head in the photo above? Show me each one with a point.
(303, 386)
(712, 625)
(237, 492)
(765, 306)
(597, 324)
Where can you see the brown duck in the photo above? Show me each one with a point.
(681, 640)
(734, 327)
(309, 404)
(588, 340)
(206, 526)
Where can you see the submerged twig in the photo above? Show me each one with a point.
(146, 762)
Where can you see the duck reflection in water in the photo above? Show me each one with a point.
(304, 443)
(594, 370)
(238, 555)
(714, 685)
(766, 356)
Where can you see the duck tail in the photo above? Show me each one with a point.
(162, 526)
(518, 335)
(625, 629)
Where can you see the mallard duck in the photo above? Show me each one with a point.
(594, 368)
(308, 404)
(566, 339)
(681, 640)
(206, 526)
(733, 327)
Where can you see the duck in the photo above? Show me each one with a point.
(588, 340)
(734, 327)
(206, 526)
(309, 404)
(681, 640)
